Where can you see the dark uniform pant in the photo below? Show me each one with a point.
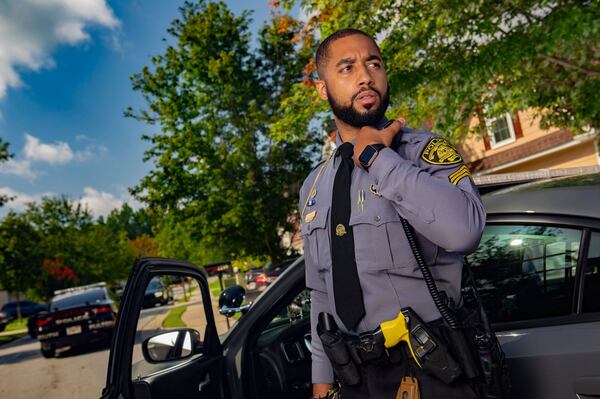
(381, 381)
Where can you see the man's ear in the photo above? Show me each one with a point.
(321, 89)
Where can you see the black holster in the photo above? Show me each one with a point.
(336, 350)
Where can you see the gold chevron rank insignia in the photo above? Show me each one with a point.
(461, 172)
(440, 152)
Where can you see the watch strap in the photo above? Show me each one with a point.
(376, 147)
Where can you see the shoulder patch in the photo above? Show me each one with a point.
(439, 151)
(457, 175)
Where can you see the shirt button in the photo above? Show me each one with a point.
(377, 218)
(398, 198)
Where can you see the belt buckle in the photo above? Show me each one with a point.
(366, 343)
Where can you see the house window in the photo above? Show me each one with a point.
(501, 130)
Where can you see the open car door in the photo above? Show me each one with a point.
(165, 343)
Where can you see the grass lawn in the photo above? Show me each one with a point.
(215, 288)
(173, 319)
(17, 324)
(14, 326)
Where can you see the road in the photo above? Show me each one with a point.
(25, 374)
(81, 373)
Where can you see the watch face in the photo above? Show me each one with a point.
(366, 155)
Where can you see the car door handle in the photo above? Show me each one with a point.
(204, 383)
(587, 387)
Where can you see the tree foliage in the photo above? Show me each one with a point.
(56, 244)
(4, 156)
(135, 223)
(20, 257)
(447, 61)
(216, 99)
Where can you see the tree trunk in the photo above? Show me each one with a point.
(18, 306)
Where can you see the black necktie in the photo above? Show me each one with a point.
(346, 286)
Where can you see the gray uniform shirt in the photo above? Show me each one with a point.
(425, 182)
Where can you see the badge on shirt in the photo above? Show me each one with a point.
(310, 216)
(457, 175)
(374, 191)
(440, 152)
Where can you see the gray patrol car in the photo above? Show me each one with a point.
(537, 270)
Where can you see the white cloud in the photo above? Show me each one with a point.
(20, 168)
(100, 203)
(31, 29)
(57, 153)
(20, 200)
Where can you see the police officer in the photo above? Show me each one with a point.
(381, 171)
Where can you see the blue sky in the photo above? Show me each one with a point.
(64, 84)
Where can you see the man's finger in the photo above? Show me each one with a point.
(394, 126)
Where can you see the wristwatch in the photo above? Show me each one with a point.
(369, 154)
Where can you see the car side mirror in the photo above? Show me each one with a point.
(172, 345)
(231, 299)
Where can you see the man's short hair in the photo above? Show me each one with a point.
(323, 50)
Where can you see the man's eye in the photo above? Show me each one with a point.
(375, 65)
(346, 69)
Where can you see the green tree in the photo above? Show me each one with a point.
(174, 240)
(4, 156)
(144, 246)
(448, 61)
(20, 258)
(75, 250)
(134, 223)
(216, 98)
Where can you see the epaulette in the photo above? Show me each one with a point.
(409, 135)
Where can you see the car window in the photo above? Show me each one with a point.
(298, 309)
(154, 284)
(85, 297)
(164, 314)
(525, 271)
(591, 289)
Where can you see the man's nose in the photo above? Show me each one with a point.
(364, 76)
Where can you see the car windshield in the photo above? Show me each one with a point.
(85, 297)
(153, 286)
(270, 267)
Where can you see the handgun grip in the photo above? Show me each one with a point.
(394, 331)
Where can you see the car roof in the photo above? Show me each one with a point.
(78, 292)
(573, 196)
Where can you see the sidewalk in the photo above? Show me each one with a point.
(195, 316)
(13, 332)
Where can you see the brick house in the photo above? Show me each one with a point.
(516, 143)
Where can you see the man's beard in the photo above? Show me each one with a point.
(352, 117)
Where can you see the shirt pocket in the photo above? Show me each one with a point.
(316, 239)
(381, 244)
(403, 257)
(371, 240)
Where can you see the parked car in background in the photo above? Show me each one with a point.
(157, 293)
(259, 279)
(537, 269)
(8, 312)
(76, 317)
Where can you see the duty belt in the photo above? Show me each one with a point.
(369, 348)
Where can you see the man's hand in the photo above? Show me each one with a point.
(321, 390)
(370, 135)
